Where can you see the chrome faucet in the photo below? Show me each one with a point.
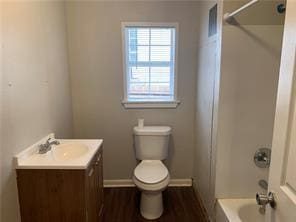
(44, 148)
(265, 199)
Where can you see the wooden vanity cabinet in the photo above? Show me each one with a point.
(62, 195)
(94, 190)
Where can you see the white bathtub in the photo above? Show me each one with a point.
(238, 210)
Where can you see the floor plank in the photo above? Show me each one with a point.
(180, 205)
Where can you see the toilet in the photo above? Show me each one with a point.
(151, 176)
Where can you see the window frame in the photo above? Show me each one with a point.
(149, 104)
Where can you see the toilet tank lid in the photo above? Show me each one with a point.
(152, 130)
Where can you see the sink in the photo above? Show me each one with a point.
(69, 151)
(69, 154)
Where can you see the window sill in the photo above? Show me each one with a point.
(151, 105)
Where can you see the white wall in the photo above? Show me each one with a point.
(207, 95)
(1, 74)
(248, 87)
(95, 52)
(36, 93)
(235, 99)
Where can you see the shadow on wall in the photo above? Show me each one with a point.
(9, 193)
(265, 45)
(169, 160)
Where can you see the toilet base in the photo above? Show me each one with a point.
(151, 206)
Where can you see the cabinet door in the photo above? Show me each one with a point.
(99, 184)
(92, 195)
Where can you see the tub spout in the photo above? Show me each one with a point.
(262, 210)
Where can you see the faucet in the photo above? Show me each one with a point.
(265, 199)
(44, 148)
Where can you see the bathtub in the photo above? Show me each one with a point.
(238, 210)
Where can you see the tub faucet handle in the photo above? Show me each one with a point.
(263, 200)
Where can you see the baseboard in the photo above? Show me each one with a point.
(180, 183)
(130, 183)
(119, 183)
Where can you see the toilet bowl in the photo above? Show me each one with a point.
(151, 177)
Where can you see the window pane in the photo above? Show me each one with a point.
(133, 57)
(160, 74)
(143, 36)
(161, 89)
(138, 88)
(160, 36)
(143, 53)
(139, 74)
(132, 36)
(150, 63)
(160, 53)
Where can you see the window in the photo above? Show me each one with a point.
(150, 65)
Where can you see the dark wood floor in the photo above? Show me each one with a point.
(180, 205)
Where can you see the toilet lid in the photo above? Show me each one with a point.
(151, 171)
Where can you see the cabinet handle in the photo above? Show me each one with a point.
(99, 158)
(91, 172)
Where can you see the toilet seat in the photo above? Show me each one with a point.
(152, 188)
(151, 171)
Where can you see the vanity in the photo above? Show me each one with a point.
(64, 184)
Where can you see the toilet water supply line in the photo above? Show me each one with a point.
(140, 123)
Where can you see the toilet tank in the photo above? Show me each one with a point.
(152, 142)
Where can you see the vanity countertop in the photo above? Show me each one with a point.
(70, 154)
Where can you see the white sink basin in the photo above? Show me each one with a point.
(70, 154)
(69, 151)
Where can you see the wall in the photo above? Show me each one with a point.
(97, 81)
(235, 99)
(251, 52)
(36, 94)
(207, 95)
(1, 74)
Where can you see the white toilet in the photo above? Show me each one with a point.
(151, 176)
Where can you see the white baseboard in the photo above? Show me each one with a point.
(180, 182)
(119, 183)
(130, 183)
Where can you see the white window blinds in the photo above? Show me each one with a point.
(150, 63)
